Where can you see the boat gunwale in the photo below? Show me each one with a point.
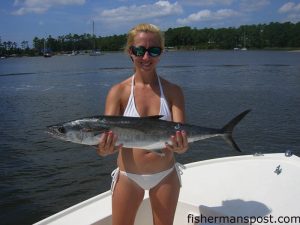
(105, 195)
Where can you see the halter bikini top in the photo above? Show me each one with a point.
(164, 108)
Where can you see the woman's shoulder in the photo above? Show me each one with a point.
(120, 88)
(116, 97)
(175, 98)
(171, 89)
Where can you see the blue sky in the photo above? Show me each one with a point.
(25, 19)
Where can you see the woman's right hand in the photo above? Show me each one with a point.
(107, 145)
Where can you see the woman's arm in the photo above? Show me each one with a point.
(179, 139)
(112, 108)
(177, 104)
(113, 101)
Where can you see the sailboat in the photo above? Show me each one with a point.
(244, 48)
(46, 51)
(94, 51)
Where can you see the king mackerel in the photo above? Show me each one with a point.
(149, 133)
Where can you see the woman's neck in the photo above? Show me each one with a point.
(148, 78)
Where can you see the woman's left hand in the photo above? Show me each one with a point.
(179, 142)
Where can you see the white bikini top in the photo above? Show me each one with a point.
(164, 107)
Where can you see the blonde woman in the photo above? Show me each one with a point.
(145, 93)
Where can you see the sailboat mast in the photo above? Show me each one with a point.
(94, 46)
(44, 45)
(94, 51)
(93, 28)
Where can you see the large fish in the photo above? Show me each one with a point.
(148, 133)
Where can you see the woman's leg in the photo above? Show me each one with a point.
(126, 199)
(164, 198)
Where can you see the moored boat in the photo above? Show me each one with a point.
(96, 53)
(252, 189)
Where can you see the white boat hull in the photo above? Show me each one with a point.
(243, 186)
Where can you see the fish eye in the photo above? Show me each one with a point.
(61, 130)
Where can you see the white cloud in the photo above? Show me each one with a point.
(208, 15)
(39, 7)
(207, 2)
(195, 17)
(289, 7)
(253, 5)
(291, 10)
(25, 10)
(136, 13)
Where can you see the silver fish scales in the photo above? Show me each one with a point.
(149, 133)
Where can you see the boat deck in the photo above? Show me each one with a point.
(257, 187)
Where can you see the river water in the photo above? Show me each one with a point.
(41, 175)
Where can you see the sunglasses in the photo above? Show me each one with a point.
(141, 51)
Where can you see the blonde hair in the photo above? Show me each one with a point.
(144, 27)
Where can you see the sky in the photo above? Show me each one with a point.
(22, 20)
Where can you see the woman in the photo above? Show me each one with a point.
(145, 94)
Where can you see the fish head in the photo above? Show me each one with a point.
(58, 131)
(66, 132)
(76, 132)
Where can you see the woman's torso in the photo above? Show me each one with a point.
(139, 102)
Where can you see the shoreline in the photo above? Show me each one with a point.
(166, 50)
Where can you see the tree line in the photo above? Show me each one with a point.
(262, 36)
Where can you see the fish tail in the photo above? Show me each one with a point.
(228, 129)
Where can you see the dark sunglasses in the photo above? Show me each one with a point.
(141, 50)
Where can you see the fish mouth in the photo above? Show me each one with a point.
(56, 131)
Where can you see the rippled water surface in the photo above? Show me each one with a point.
(41, 176)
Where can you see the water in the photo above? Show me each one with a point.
(41, 176)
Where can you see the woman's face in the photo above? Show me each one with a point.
(147, 40)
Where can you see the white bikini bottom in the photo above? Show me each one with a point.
(147, 181)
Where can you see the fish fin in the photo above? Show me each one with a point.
(228, 129)
(156, 117)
